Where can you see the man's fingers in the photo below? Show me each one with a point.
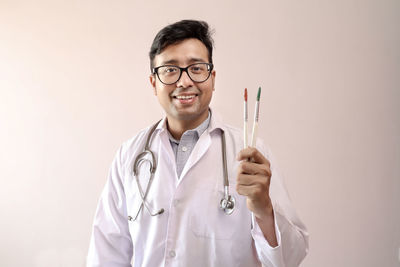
(246, 179)
(254, 168)
(251, 191)
(253, 154)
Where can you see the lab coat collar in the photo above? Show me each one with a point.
(215, 122)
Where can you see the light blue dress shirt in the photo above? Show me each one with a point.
(182, 148)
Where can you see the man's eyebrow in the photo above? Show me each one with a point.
(171, 61)
(193, 60)
(175, 62)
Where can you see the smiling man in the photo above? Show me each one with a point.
(183, 191)
(184, 93)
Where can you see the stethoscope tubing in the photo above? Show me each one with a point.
(227, 203)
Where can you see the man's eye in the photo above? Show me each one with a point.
(196, 69)
(170, 70)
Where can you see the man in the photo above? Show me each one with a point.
(173, 217)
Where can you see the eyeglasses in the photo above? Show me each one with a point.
(170, 74)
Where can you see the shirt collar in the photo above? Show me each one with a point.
(212, 123)
(198, 130)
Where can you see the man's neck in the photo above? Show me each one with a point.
(178, 127)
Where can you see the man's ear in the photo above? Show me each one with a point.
(153, 83)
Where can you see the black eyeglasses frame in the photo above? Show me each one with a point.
(210, 67)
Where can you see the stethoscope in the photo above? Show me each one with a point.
(227, 203)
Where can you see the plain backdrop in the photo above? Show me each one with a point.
(74, 85)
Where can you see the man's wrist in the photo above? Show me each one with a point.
(267, 214)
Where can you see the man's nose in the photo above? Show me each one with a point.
(185, 80)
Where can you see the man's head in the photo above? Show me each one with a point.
(182, 75)
(179, 31)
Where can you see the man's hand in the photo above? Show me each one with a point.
(253, 180)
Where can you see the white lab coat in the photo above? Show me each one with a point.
(193, 230)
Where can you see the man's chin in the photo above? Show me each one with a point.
(187, 115)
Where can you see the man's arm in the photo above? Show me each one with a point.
(111, 243)
(280, 237)
(253, 181)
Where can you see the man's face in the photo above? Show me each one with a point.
(194, 107)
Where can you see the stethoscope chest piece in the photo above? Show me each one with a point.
(227, 204)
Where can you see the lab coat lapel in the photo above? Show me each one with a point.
(203, 144)
(166, 155)
(199, 150)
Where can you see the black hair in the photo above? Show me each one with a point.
(179, 31)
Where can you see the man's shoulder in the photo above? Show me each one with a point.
(217, 121)
(136, 142)
(236, 135)
(232, 131)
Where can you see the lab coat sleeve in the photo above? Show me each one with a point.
(291, 233)
(111, 244)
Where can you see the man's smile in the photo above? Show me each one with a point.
(187, 98)
(184, 96)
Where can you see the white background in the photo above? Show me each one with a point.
(74, 85)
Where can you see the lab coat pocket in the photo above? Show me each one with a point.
(210, 221)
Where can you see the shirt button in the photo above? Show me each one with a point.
(184, 149)
(176, 202)
(172, 254)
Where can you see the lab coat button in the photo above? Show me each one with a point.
(184, 149)
(172, 254)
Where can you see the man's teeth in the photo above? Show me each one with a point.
(185, 96)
